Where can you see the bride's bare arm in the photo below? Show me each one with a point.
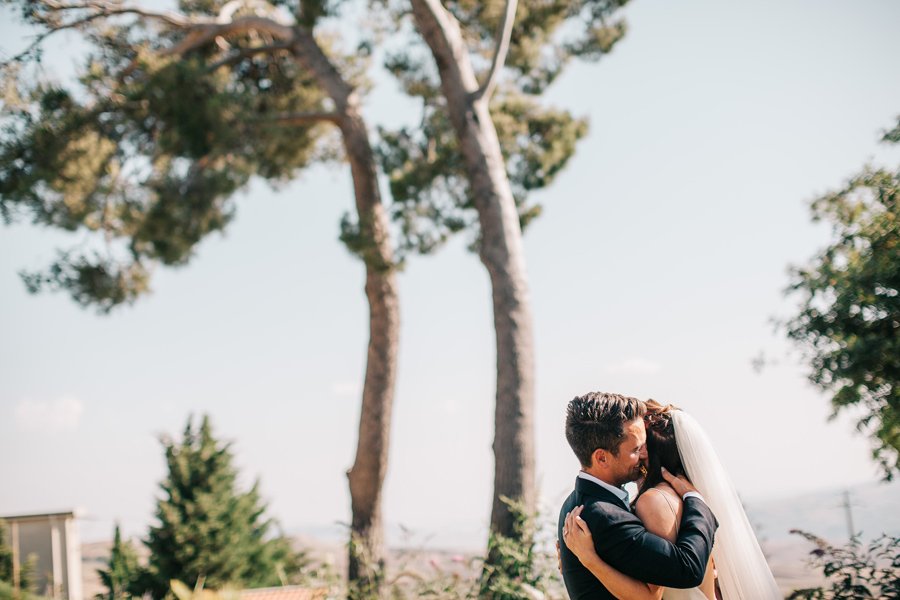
(579, 540)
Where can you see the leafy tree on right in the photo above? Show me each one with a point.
(849, 319)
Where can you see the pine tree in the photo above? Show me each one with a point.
(27, 568)
(122, 572)
(6, 556)
(486, 141)
(209, 529)
(173, 113)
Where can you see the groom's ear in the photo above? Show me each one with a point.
(599, 457)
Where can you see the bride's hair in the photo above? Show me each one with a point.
(662, 451)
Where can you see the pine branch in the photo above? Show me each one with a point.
(306, 118)
(243, 53)
(202, 34)
(202, 29)
(500, 52)
(443, 35)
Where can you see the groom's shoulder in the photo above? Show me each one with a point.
(603, 513)
(604, 507)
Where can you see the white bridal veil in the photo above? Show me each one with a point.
(742, 569)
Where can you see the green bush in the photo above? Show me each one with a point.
(511, 573)
(516, 571)
(854, 571)
(8, 592)
(26, 570)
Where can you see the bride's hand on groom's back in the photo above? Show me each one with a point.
(681, 485)
(577, 536)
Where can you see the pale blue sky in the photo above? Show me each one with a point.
(655, 269)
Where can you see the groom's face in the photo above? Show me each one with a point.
(626, 465)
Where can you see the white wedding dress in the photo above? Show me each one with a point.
(742, 570)
(688, 594)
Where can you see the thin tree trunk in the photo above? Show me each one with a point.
(502, 254)
(366, 477)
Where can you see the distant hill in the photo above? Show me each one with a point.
(874, 509)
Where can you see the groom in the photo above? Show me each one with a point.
(606, 432)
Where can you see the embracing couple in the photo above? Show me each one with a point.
(686, 535)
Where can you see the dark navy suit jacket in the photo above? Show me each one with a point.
(622, 541)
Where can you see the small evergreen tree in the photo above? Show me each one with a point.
(173, 113)
(6, 556)
(122, 573)
(26, 569)
(207, 528)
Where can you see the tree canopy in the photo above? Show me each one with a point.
(430, 188)
(173, 113)
(147, 149)
(849, 318)
(189, 106)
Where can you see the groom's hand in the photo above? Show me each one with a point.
(681, 485)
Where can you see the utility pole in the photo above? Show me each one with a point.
(849, 512)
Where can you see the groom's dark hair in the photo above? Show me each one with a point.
(597, 420)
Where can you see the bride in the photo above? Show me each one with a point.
(737, 568)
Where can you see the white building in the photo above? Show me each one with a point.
(52, 541)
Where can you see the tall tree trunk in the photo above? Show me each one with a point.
(366, 477)
(501, 253)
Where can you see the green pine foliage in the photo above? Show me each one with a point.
(144, 153)
(26, 569)
(849, 318)
(547, 35)
(121, 576)
(6, 555)
(8, 592)
(208, 530)
(429, 186)
(511, 571)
